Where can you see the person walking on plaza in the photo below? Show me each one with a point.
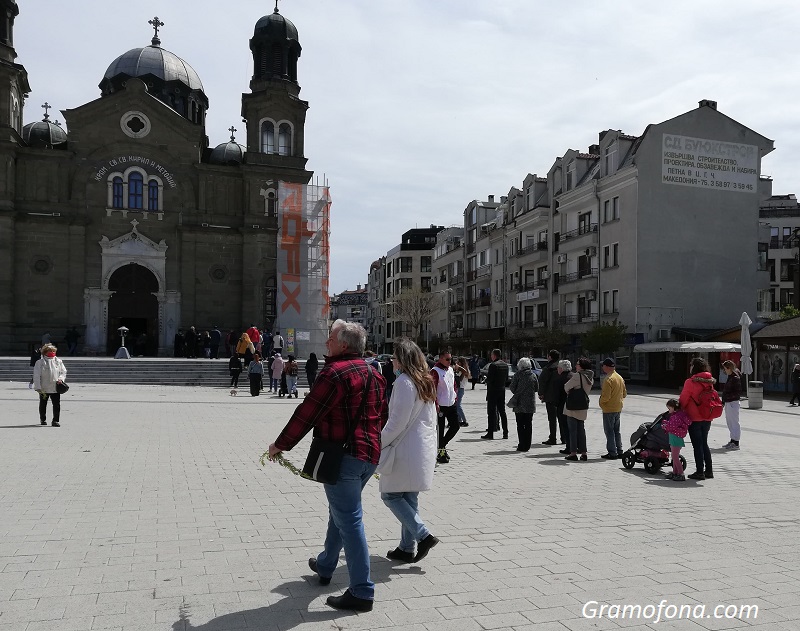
(277, 371)
(611, 396)
(699, 381)
(550, 393)
(330, 409)
(71, 337)
(235, 369)
(574, 410)
(731, 394)
(496, 396)
(444, 381)
(474, 371)
(48, 372)
(255, 372)
(795, 385)
(291, 369)
(255, 336)
(312, 367)
(461, 372)
(277, 342)
(524, 386)
(408, 450)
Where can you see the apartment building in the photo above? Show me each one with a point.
(780, 215)
(350, 305)
(448, 280)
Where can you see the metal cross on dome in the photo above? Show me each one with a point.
(233, 130)
(46, 107)
(156, 24)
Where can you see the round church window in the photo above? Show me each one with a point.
(218, 273)
(42, 265)
(135, 124)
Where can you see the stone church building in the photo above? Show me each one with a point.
(128, 217)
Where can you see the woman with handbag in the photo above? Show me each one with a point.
(255, 372)
(524, 385)
(49, 375)
(408, 449)
(577, 406)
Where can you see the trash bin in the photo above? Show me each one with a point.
(755, 395)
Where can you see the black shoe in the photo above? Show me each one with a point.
(584, 457)
(55, 424)
(709, 475)
(464, 424)
(424, 546)
(488, 437)
(323, 580)
(42, 422)
(349, 602)
(563, 451)
(505, 436)
(400, 555)
(610, 456)
(697, 475)
(549, 441)
(571, 457)
(442, 457)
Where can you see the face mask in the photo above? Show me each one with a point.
(398, 372)
(51, 355)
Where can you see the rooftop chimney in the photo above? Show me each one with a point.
(708, 103)
(491, 199)
(358, 287)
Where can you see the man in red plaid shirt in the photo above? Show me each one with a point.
(332, 404)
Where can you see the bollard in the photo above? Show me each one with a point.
(755, 395)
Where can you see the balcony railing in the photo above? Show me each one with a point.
(577, 319)
(528, 249)
(485, 270)
(472, 275)
(575, 276)
(457, 306)
(456, 280)
(483, 301)
(574, 234)
(531, 284)
(769, 306)
(529, 324)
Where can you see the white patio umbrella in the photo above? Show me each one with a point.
(747, 346)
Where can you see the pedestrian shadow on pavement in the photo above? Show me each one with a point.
(293, 610)
(20, 426)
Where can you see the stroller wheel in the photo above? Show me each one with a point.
(628, 460)
(683, 462)
(652, 465)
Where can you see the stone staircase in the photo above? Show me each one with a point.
(142, 370)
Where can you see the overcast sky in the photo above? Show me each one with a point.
(418, 107)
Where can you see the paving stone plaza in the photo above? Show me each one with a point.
(148, 510)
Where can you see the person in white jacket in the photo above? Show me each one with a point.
(48, 372)
(408, 450)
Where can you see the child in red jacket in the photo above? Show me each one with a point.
(676, 425)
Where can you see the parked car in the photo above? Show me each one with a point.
(384, 357)
(537, 370)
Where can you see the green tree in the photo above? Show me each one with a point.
(604, 338)
(548, 339)
(789, 311)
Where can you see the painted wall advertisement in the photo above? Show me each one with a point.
(704, 163)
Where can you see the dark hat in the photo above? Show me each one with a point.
(608, 362)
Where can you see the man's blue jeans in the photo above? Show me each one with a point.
(346, 528)
(613, 436)
(404, 507)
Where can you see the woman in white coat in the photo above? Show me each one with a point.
(408, 449)
(48, 372)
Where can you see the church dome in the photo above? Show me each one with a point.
(157, 62)
(44, 134)
(228, 153)
(277, 26)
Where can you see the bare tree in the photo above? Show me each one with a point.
(415, 307)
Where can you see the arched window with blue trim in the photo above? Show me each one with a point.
(135, 192)
(152, 195)
(116, 193)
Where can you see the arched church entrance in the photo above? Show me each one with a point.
(133, 305)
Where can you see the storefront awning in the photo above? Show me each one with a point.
(688, 347)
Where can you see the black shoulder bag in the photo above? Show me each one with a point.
(577, 399)
(325, 457)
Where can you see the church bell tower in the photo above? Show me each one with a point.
(273, 110)
(14, 85)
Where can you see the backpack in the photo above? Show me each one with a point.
(709, 404)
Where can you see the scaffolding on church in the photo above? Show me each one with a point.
(303, 302)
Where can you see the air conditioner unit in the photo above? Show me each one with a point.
(664, 335)
(561, 258)
(545, 275)
(591, 251)
(591, 295)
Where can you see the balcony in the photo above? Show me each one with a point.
(528, 324)
(482, 271)
(455, 280)
(470, 248)
(482, 301)
(574, 234)
(529, 249)
(578, 319)
(576, 276)
(457, 306)
(531, 284)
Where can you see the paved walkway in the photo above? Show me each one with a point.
(148, 510)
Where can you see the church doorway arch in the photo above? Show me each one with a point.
(133, 304)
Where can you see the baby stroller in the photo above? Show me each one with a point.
(650, 445)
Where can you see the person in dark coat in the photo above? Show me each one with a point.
(255, 372)
(524, 385)
(190, 343)
(474, 371)
(216, 338)
(795, 385)
(235, 369)
(179, 343)
(387, 371)
(550, 394)
(312, 367)
(496, 396)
